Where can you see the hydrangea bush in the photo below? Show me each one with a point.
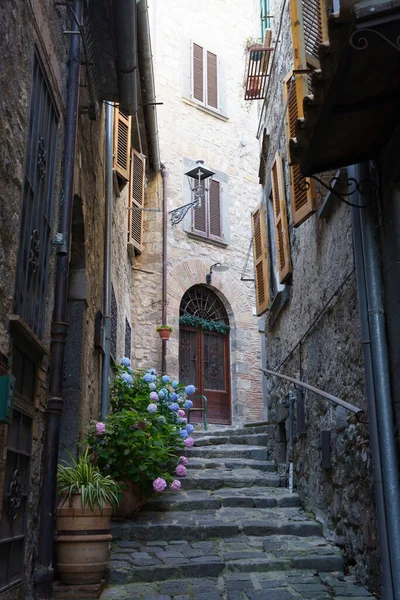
(143, 437)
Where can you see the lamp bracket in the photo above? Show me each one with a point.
(364, 187)
(178, 214)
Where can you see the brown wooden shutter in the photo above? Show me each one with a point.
(280, 219)
(214, 210)
(122, 143)
(260, 253)
(200, 218)
(309, 30)
(198, 73)
(302, 199)
(212, 80)
(135, 220)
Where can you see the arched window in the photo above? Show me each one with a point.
(202, 302)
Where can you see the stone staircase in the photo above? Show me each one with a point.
(233, 532)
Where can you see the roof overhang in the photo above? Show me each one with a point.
(354, 107)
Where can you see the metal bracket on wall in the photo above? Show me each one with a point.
(365, 187)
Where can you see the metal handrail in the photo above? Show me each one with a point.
(346, 405)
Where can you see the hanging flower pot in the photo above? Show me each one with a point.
(164, 331)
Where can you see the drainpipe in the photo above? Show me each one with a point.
(380, 412)
(124, 14)
(164, 175)
(145, 60)
(109, 197)
(59, 326)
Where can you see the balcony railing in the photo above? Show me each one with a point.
(257, 72)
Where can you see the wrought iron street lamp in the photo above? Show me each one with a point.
(197, 177)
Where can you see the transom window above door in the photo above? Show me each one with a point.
(202, 302)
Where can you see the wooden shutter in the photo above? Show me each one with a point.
(212, 83)
(214, 212)
(200, 218)
(309, 30)
(260, 253)
(136, 187)
(280, 220)
(198, 73)
(302, 199)
(122, 143)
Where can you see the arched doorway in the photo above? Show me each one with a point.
(204, 351)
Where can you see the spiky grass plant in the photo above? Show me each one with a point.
(85, 478)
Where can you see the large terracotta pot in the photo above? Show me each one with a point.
(82, 541)
(131, 502)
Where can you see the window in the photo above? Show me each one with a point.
(281, 232)
(136, 200)
(302, 191)
(128, 339)
(122, 145)
(207, 219)
(261, 263)
(114, 325)
(264, 18)
(205, 76)
(309, 30)
(37, 211)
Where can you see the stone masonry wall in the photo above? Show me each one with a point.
(326, 354)
(226, 143)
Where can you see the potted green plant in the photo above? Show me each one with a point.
(83, 520)
(164, 331)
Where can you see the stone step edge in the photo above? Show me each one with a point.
(214, 568)
(216, 502)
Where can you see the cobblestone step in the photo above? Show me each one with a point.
(222, 523)
(233, 497)
(230, 464)
(251, 430)
(256, 439)
(272, 585)
(212, 479)
(229, 451)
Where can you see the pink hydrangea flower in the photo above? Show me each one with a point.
(159, 484)
(100, 428)
(184, 419)
(183, 460)
(181, 471)
(181, 413)
(175, 485)
(189, 442)
(154, 396)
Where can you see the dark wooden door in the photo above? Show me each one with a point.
(204, 362)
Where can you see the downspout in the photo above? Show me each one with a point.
(59, 326)
(164, 175)
(109, 197)
(387, 585)
(145, 58)
(124, 13)
(380, 371)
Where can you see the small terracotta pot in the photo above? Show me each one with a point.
(131, 502)
(164, 334)
(82, 541)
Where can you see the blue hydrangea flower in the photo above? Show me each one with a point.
(174, 406)
(126, 378)
(165, 379)
(152, 386)
(149, 378)
(130, 370)
(174, 397)
(190, 389)
(188, 404)
(179, 420)
(163, 393)
(161, 420)
(151, 371)
(125, 362)
(152, 408)
(189, 428)
(175, 384)
(183, 433)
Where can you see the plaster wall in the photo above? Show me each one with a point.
(316, 338)
(225, 141)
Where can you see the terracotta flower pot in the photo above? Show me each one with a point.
(82, 541)
(164, 334)
(131, 502)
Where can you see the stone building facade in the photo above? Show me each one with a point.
(216, 126)
(312, 321)
(34, 58)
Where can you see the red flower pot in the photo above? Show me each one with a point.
(164, 334)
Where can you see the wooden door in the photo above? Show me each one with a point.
(204, 362)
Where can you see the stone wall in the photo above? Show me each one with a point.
(316, 338)
(225, 141)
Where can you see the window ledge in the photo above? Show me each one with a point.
(206, 109)
(278, 303)
(206, 240)
(22, 333)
